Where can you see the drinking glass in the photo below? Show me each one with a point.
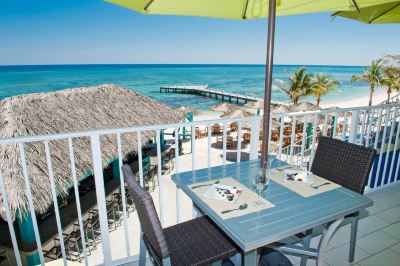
(260, 188)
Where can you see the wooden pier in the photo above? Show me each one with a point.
(204, 91)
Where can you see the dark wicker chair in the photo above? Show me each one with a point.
(195, 242)
(346, 164)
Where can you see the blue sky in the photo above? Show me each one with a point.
(93, 32)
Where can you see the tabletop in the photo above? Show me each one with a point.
(291, 214)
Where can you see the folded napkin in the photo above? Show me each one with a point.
(292, 175)
(223, 193)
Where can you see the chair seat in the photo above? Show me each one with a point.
(271, 257)
(197, 242)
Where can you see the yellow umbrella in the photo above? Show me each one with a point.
(248, 9)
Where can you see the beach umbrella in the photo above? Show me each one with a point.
(383, 13)
(186, 109)
(304, 107)
(225, 108)
(280, 108)
(237, 114)
(255, 105)
(248, 9)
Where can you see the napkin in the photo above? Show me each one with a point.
(292, 175)
(223, 193)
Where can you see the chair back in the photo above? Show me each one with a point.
(147, 214)
(346, 164)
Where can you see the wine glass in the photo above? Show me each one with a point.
(260, 188)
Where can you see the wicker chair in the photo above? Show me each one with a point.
(195, 242)
(346, 164)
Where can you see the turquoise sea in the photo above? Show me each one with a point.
(146, 79)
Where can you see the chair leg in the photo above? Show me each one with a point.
(142, 252)
(353, 237)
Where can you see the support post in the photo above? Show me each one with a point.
(268, 84)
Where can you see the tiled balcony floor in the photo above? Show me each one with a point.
(378, 240)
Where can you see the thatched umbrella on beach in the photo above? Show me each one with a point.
(280, 108)
(304, 107)
(186, 109)
(70, 110)
(237, 114)
(225, 107)
(255, 105)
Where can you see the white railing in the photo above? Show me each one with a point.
(374, 126)
(393, 99)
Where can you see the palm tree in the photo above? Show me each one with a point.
(323, 84)
(391, 79)
(298, 86)
(372, 75)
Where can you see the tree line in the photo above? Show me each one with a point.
(383, 72)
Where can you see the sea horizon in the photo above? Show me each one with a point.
(147, 78)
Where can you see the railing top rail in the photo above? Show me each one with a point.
(107, 131)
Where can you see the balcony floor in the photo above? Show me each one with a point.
(378, 240)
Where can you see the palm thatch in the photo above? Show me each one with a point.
(186, 109)
(237, 114)
(225, 107)
(304, 107)
(255, 105)
(70, 110)
(280, 108)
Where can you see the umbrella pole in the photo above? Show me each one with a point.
(268, 85)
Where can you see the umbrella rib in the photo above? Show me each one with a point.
(356, 6)
(245, 9)
(148, 5)
(385, 12)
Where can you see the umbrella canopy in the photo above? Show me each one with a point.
(280, 108)
(304, 107)
(225, 107)
(70, 110)
(240, 9)
(255, 105)
(383, 13)
(247, 9)
(186, 109)
(237, 114)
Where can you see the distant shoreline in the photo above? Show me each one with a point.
(176, 65)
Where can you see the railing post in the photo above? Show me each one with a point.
(11, 227)
(254, 140)
(101, 199)
(354, 125)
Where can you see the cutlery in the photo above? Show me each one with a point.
(317, 187)
(241, 207)
(206, 185)
(281, 168)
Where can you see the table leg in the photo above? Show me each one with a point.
(251, 258)
(306, 243)
(325, 238)
(196, 211)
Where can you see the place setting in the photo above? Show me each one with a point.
(301, 181)
(229, 198)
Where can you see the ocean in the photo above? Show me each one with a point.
(147, 79)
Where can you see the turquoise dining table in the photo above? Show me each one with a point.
(292, 213)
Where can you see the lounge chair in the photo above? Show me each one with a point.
(195, 242)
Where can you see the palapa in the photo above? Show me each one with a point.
(70, 110)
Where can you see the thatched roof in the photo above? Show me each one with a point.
(186, 109)
(70, 110)
(280, 108)
(225, 107)
(304, 107)
(237, 114)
